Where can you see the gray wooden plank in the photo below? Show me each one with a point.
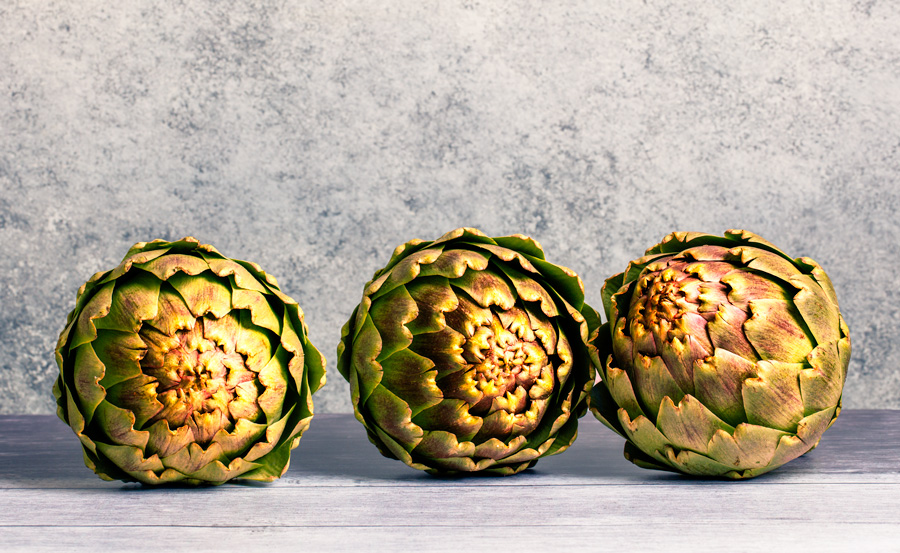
(671, 535)
(486, 506)
(862, 446)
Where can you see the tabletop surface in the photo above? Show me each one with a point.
(340, 494)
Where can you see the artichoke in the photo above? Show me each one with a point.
(722, 356)
(470, 354)
(182, 365)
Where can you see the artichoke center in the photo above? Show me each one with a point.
(199, 377)
(506, 361)
(663, 302)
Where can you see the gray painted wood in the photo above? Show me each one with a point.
(341, 495)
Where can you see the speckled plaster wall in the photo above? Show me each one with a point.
(314, 137)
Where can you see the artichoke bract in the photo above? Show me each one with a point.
(470, 354)
(722, 355)
(182, 365)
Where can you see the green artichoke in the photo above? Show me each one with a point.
(722, 356)
(469, 354)
(182, 365)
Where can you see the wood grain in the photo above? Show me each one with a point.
(341, 495)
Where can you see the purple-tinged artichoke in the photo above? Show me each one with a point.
(469, 354)
(722, 356)
(182, 365)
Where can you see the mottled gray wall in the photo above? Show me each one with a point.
(314, 137)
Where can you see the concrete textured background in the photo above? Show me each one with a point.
(314, 137)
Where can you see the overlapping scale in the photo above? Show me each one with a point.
(470, 354)
(722, 355)
(181, 365)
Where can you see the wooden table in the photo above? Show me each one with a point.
(341, 495)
